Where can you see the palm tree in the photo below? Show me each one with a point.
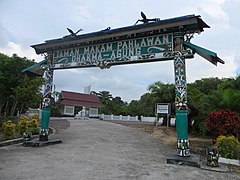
(164, 93)
(104, 96)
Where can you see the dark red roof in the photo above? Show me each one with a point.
(80, 99)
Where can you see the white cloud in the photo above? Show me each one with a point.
(13, 48)
(214, 9)
(80, 14)
(94, 78)
(198, 67)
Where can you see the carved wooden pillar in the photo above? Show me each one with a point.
(48, 77)
(181, 98)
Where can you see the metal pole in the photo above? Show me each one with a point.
(181, 99)
(167, 121)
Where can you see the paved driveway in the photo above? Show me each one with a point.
(94, 149)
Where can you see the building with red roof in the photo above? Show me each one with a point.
(87, 103)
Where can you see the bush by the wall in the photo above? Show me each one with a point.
(224, 122)
(8, 129)
(229, 147)
(23, 124)
(34, 123)
(199, 127)
(36, 116)
(2, 121)
(34, 130)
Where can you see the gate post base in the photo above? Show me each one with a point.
(183, 148)
(43, 136)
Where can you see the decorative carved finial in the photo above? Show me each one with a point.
(72, 34)
(107, 29)
(146, 20)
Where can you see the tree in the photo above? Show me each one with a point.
(118, 100)
(104, 96)
(12, 83)
(134, 108)
(27, 93)
(207, 85)
(164, 93)
(211, 95)
(147, 105)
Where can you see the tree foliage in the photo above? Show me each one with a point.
(204, 96)
(17, 91)
(111, 105)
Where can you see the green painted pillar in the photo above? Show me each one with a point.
(181, 98)
(181, 124)
(43, 136)
(45, 118)
(48, 77)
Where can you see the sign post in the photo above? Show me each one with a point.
(163, 109)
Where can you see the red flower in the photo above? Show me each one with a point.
(223, 122)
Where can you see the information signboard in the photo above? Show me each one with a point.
(163, 108)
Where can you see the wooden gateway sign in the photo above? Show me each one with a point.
(154, 40)
(132, 50)
(147, 42)
(116, 52)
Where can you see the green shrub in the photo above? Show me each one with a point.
(26, 125)
(23, 124)
(36, 116)
(199, 126)
(229, 146)
(55, 111)
(34, 123)
(2, 121)
(14, 119)
(8, 129)
(34, 130)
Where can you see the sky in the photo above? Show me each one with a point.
(28, 22)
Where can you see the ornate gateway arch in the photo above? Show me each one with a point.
(154, 40)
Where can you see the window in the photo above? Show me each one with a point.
(69, 110)
(93, 112)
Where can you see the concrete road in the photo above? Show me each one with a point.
(97, 150)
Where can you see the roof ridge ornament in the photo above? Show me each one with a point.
(145, 20)
(107, 29)
(72, 34)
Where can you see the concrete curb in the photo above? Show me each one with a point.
(20, 140)
(198, 161)
(229, 161)
(37, 143)
(193, 160)
(14, 141)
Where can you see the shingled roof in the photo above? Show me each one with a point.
(79, 99)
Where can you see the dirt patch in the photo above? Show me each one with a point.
(167, 135)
